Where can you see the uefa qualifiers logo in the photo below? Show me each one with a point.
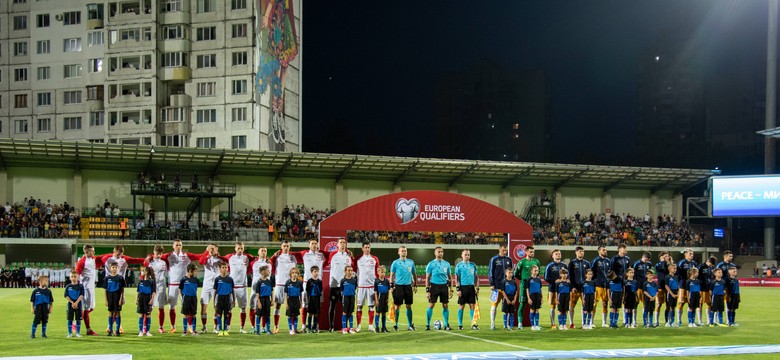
(407, 210)
(519, 251)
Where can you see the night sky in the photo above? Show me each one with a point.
(370, 66)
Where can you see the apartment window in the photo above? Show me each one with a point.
(170, 5)
(147, 34)
(20, 101)
(43, 46)
(130, 34)
(207, 116)
(20, 48)
(71, 45)
(72, 71)
(207, 88)
(72, 123)
(174, 32)
(95, 92)
(239, 87)
(95, 65)
(207, 143)
(206, 33)
(94, 11)
(238, 114)
(206, 6)
(44, 73)
(96, 38)
(239, 58)
(238, 142)
(174, 59)
(237, 4)
(43, 20)
(72, 18)
(20, 74)
(72, 97)
(239, 30)
(20, 126)
(44, 125)
(44, 99)
(21, 1)
(174, 140)
(97, 118)
(20, 22)
(173, 115)
(207, 61)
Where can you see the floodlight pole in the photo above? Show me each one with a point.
(769, 141)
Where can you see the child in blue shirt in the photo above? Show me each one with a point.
(144, 300)
(41, 301)
(650, 294)
(615, 298)
(348, 290)
(588, 300)
(508, 292)
(693, 290)
(381, 296)
(188, 287)
(732, 295)
(74, 294)
(533, 288)
(563, 285)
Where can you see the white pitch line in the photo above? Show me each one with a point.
(489, 341)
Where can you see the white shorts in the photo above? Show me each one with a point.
(89, 298)
(279, 295)
(160, 299)
(174, 293)
(206, 295)
(240, 294)
(365, 296)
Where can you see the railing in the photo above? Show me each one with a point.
(163, 187)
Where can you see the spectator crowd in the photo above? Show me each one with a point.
(33, 218)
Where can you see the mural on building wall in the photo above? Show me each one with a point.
(278, 43)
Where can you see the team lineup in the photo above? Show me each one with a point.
(357, 282)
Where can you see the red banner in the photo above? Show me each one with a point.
(759, 282)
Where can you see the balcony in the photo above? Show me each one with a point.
(179, 100)
(130, 11)
(180, 73)
(130, 93)
(130, 65)
(94, 16)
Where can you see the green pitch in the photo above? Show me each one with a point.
(758, 319)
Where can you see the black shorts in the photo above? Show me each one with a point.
(348, 305)
(313, 305)
(381, 305)
(74, 314)
(563, 302)
(589, 303)
(616, 300)
(630, 301)
(293, 306)
(536, 301)
(224, 304)
(41, 314)
(467, 295)
(694, 302)
(264, 306)
(439, 293)
(733, 302)
(649, 304)
(403, 294)
(507, 308)
(717, 303)
(671, 301)
(143, 306)
(113, 299)
(335, 295)
(189, 305)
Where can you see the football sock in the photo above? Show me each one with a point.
(243, 317)
(720, 316)
(384, 321)
(185, 323)
(85, 315)
(711, 315)
(34, 327)
(304, 314)
(552, 314)
(504, 320)
(276, 317)
(370, 316)
(70, 327)
(445, 312)
(351, 325)
(408, 316)
(161, 316)
(290, 323)
(203, 319)
(511, 319)
(267, 320)
(315, 322)
(428, 316)
(78, 327)
(359, 317)
(376, 320)
(148, 323)
(690, 317)
(460, 317)
(172, 315)
(343, 321)
(471, 313)
(110, 323)
(332, 314)
(140, 324)
(43, 329)
(252, 317)
(492, 316)
(564, 318)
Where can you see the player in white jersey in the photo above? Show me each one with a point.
(367, 269)
(260, 261)
(338, 261)
(210, 261)
(311, 257)
(239, 263)
(177, 268)
(282, 263)
(160, 269)
(87, 268)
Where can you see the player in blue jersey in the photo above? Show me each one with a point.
(641, 267)
(381, 298)
(551, 275)
(293, 289)
(533, 289)
(661, 273)
(601, 266)
(732, 295)
(705, 278)
(438, 287)
(577, 269)
(563, 291)
(718, 296)
(403, 281)
(188, 287)
(588, 300)
(115, 297)
(41, 302)
(496, 268)
(348, 287)
(74, 295)
(144, 300)
(508, 292)
(224, 299)
(313, 300)
(649, 298)
(682, 276)
(467, 286)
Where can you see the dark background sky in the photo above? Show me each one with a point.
(370, 66)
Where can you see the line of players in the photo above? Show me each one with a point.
(19, 277)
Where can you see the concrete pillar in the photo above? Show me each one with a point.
(505, 200)
(341, 196)
(607, 202)
(396, 188)
(560, 204)
(452, 189)
(78, 191)
(677, 207)
(653, 208)
(278, 203)
(770, 119)
(4, 186)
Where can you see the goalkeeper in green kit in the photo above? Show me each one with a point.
(523, 272)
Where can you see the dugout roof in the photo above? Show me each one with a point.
(213, 162)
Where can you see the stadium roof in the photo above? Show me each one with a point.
(211, 162)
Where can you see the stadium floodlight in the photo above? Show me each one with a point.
(773, 132)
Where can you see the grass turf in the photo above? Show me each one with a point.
(755, 317)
